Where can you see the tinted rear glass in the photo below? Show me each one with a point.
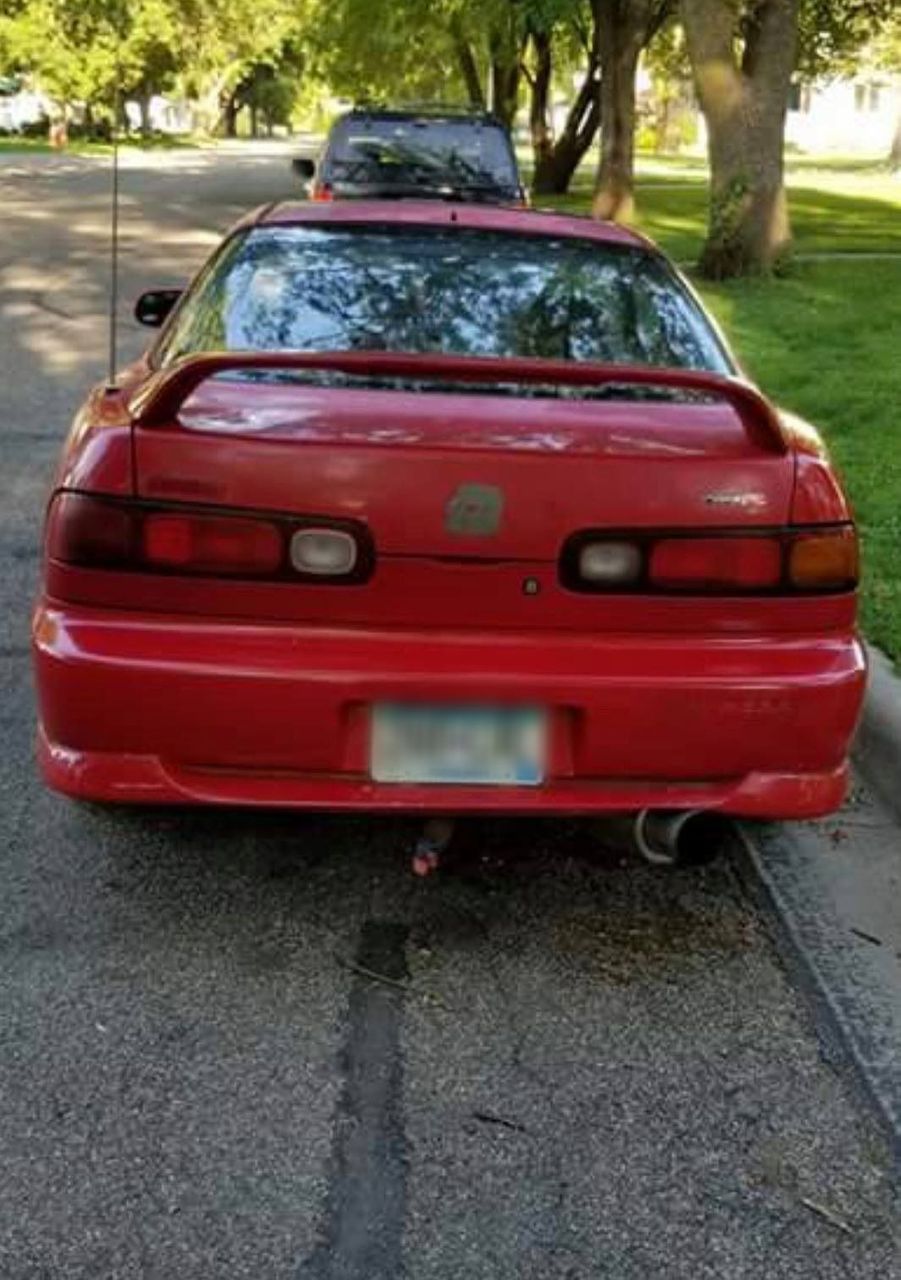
(413, 289)
(363, 150)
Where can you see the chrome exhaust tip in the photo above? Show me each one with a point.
(679, 837)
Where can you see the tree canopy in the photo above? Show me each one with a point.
(231, 55)
(207, 48)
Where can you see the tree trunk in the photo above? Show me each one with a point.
(504, 91)
(554, 170)
(254, 120)
(228, 118)
(504, 71)
(661, 132)
(615, 193)
(144, 107)
(624, 28)
(894, 157)
(539, 105)
(469, 67)
(744, 109)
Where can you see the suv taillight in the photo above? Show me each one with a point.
(107, 533)
(740, 562)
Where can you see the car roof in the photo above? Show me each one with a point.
(438, 213)
(427, 113)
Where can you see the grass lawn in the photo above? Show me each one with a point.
(850, 209)
(825, 341)
(159, 142)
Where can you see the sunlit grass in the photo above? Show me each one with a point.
(78, 147)
(851, 209)
(24, 145)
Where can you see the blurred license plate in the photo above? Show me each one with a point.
(495, 746)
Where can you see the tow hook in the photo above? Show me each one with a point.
(436, 836)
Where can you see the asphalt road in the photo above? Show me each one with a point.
(570, 1067)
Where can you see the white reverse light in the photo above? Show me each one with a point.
(609, 562)
(326, 552)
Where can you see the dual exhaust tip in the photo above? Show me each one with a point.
(684, 837)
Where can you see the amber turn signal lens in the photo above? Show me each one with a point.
(824, 561)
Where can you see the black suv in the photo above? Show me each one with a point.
(436, 153)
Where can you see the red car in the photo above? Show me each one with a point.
(445, 508)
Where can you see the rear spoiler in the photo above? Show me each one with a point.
(160, 399)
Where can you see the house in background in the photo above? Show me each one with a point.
(164, 115)
(857, 115)
(20, 106)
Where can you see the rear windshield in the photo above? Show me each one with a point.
(453, 291)
(473, 155)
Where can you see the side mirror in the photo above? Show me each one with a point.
(303, 167)
(152, 307)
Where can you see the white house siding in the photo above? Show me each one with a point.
(20, 109)
(849, 116)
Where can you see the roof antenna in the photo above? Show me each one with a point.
(111, 381)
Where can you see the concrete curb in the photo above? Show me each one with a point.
(851, 986)
(877, 748)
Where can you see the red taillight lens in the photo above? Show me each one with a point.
(321, 192)
(211, 544)
(85, 530)
(716, 564)
(824, 560)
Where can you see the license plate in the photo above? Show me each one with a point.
(484, 746)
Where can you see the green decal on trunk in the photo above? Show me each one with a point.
(474, 509)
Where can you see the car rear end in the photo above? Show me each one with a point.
(423, 579)
(418, 154)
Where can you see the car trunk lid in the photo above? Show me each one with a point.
(462, 457)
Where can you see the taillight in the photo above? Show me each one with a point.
(83, 530)
(610, 563)
(212, 544)
(323, 552)
(708, 564)
(321, 192)
(780, 561)
(106, 533)
(825, 560)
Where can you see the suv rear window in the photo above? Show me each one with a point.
(472, 154)
(456, 291)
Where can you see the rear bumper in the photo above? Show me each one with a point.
(144, 709)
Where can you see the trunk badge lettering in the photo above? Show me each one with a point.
(474, 509)
(746, 501)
